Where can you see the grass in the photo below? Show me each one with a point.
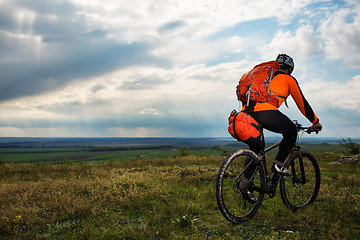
(49, 155)
(56, 155)
(162, 198)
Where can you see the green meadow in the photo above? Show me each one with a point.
(103, 154)
(58, 155)
(158, 193)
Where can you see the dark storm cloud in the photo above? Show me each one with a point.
(46, 7)
(23, 78)
(67, 51)
(7, 20)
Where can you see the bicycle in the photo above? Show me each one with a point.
(243, 181)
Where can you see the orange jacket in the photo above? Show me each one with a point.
(284, 85)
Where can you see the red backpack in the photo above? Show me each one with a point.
(254, 85)
(244, 128)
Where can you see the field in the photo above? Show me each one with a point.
(162, 192)
(58, 150)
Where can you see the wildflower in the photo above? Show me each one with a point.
(5, 219)
(17, 219)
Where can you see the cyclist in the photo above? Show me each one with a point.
(270, 118)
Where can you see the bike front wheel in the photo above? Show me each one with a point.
(240, 186)
(301, 188)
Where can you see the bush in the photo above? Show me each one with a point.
(184, 151)
(349, 147)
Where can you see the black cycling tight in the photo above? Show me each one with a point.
(275, 121)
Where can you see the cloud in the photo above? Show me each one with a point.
(110, 101)
(168, 68)
(150, 111)
(336, 37)
(341, 34)
(171, 26)
(336, 95)
(47, 75)
(303, 43)
(50, 44)
(144, 82)
(97, 87)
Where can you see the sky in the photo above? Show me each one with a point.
(168, 68)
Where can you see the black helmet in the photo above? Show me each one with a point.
(284, 59)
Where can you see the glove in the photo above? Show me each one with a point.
(316, 127)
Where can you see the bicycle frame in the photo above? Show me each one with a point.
(271, 182)
(263, 160)
(243, 180)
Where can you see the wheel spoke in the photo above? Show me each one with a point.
(239, 178)
(301, 188)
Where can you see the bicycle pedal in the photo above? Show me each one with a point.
(252, 197)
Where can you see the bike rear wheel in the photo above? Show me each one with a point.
(301, 188)
(240, 186)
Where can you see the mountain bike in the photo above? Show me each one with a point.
(243, 181)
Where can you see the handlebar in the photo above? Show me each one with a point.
(299, 127)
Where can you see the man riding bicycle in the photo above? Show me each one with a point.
(270, 118)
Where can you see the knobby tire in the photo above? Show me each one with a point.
(232, 182)
(302, 187)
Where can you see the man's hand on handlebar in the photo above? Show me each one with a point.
(316, 127)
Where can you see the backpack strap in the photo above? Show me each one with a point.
(234, 130)
(282, 97)
(260, 129)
